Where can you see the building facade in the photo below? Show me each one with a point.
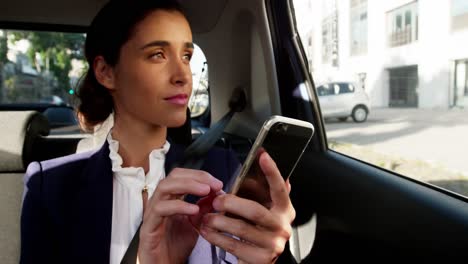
(404, 53)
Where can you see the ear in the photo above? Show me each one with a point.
(104, 72)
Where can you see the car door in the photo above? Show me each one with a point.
(342, 99)
(335, 98)
(346, 98)
(325, 95)
(349, 208)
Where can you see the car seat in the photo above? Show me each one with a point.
(19, 129)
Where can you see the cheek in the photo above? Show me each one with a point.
(151, 83)
(143, 82)
(190, 85)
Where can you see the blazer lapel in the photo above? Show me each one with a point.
(173, 155)
(93, 218)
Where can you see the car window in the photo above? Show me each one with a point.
(199, 101)
(346, 88)
(326, 89)
(45, 67)
(40, 67)
(336, 89)
(411, 115)
(321, 90)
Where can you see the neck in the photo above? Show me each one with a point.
(136, 141)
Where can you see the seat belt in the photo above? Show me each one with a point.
(194, 156)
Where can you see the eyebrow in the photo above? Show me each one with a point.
(163, 43)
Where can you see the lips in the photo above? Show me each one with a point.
(180, 99)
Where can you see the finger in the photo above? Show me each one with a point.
(198, 175)
(255, 189)
(242, 230)
(247, 209)
(154, 215)
(170, 188)
(243, 251)
(278, 191)
(205, 205)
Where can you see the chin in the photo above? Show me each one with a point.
(177, 120)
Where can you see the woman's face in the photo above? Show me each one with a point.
(153, 80)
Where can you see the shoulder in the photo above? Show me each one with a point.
(56, 166)
(66, 163)
(52, 178)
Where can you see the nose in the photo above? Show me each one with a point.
(181, 73)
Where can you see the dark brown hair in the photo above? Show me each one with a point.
(110, 29)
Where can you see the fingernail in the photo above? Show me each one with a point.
(217, 204)
(266, 156)
(217, 183)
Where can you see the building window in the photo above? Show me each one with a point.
(459, 14)
(330, 33)
(403, 86)
(403, 25)
(362, 80)
(358, 23)
(460, 92)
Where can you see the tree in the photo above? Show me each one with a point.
(3, 46)
(52, 52)
(3, 58)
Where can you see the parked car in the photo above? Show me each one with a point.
(52, 99)
(343, 100)
(58, 116)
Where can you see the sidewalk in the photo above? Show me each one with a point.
(437, 137)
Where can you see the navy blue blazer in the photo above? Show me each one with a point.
(67, 208)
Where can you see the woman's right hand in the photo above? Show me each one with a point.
(167, 234)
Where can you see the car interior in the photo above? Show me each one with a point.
(345, 208)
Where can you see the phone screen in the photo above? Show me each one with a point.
(285, 143)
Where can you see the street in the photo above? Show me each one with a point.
(436, 136)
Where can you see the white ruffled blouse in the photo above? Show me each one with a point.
(128, 183)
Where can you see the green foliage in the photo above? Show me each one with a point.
(56, 51)
(3, 59)
(3, 50)
(11, 92)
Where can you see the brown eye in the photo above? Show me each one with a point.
(187, 56)
(157, 55)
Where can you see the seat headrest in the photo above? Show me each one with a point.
(19, 130)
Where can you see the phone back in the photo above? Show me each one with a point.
(284, 139)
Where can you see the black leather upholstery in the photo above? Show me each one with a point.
(37, 127)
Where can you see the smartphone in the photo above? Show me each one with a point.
(285, 140)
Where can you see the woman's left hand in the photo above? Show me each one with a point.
(263, 236)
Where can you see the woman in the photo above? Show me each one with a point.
(85, 208)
